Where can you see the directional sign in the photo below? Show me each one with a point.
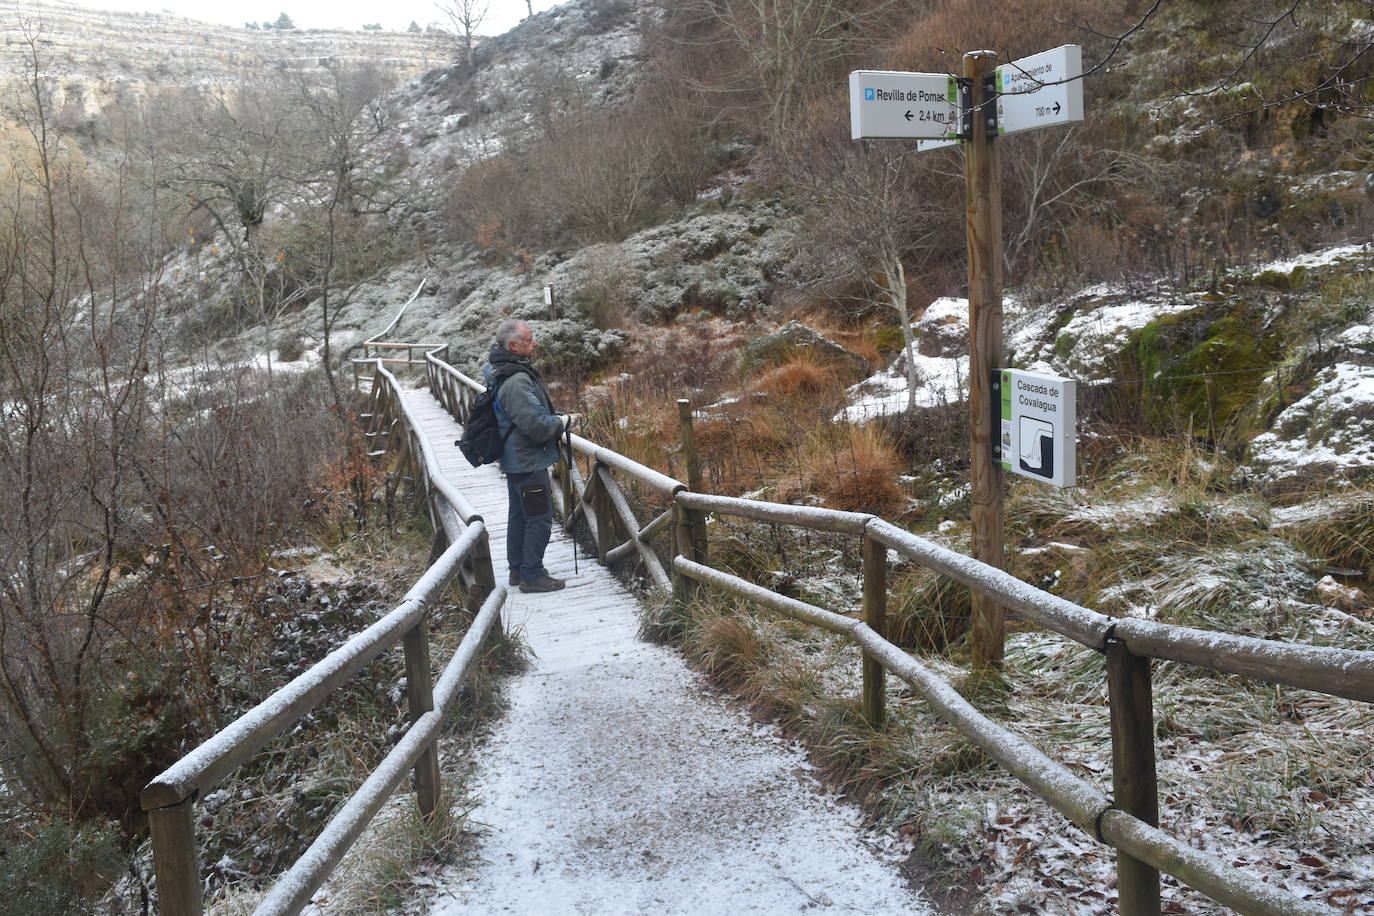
(892, 104)
(1024, 102)
(923, 145)
(1039, 426)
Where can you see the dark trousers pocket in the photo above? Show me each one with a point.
(535, 502)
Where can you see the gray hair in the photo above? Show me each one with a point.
(508, 330)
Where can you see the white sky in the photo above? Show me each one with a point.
(394, 15)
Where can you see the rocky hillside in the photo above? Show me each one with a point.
(96, 59)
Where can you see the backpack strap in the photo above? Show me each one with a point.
(498, 375)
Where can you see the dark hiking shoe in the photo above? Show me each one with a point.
(514, 578)
(542, 584)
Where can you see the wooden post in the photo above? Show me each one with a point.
(420, 698)
(565, 483)
(696, 520)
(689, 445)
(684, 589)
(484, 576)
(605, 513)
(175, 860)
(875, 615)
(984, 186)
(1134, 781)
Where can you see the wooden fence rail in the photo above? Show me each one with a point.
(461, 551)
(1127, 821)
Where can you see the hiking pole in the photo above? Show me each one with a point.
(572, 515)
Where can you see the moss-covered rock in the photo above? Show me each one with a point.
(1202, 375)
(794, 338)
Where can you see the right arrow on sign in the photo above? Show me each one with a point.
(1041, 90)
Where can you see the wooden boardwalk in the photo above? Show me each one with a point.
(618, 782)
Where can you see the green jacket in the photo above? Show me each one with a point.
(524, 415)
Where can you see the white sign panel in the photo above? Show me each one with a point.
(1039, 426)
(892, 104)
(1024, 103)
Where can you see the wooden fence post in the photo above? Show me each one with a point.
(420, 699)
(563, 474)
(684, 589)
(605, 513)
(875, 615)
(1134, 781)
(696, 520)
(174, 859)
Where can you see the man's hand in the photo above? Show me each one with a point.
(569, 420)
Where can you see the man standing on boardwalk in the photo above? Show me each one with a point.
(529, 429)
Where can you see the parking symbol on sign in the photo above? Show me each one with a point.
(868, 95)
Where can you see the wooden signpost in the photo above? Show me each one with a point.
(1037, 91)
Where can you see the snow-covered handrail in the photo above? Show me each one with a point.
(1339, 672)
(377, 342)
(170, 797)
(429, 463)
(440, 371)
(293, 890)
(397, 320)
(1078, 800)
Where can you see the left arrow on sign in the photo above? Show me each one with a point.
(908, 114)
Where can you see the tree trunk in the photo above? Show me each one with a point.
(896, 294)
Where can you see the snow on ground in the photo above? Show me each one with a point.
(1328, 432)
(1086, 346)
(1323, 258)
(940, 379)
(618, 782)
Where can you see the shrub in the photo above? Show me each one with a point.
(607, 283)
(858, 473)
(290, 348)
(55, 868)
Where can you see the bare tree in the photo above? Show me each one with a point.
(76, 343)
(774, 53)
(1056, 179)
(868, 221)
(232, 152)
(466, 18)
(347, 187)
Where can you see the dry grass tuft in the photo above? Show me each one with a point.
(800, 376)
(727, 645)
(1343, 536)
(857, 473)
(927, 612)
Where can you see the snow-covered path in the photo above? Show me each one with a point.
(619, 783)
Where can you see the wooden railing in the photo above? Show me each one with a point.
(593, 494)
(1128, 820)
(378, 350)
(461, 550)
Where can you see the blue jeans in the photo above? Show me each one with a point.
(529, 520)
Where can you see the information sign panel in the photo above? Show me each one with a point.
(892, 104)
(1039, 425)
(1023, 103)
